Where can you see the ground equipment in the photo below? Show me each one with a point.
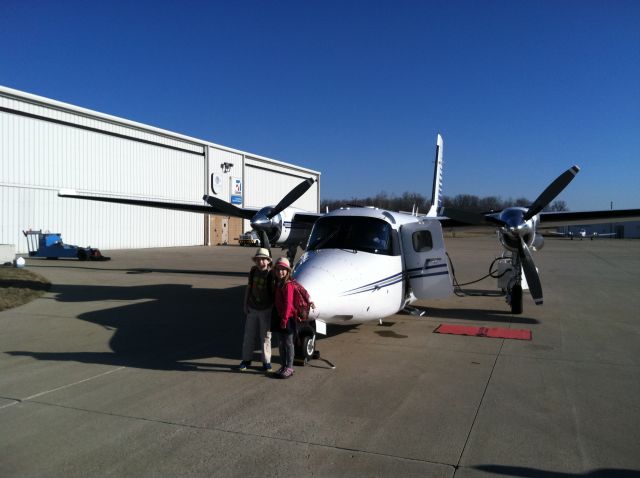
(249, 238)
(49, 245)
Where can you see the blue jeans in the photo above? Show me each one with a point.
(286, 349)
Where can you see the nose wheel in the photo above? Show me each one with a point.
(514, 298)
(309, 348)
(305, 349)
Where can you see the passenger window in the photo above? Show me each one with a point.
(422, 241)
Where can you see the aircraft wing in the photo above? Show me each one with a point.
(551, 219)
(306, 217)
(186, 207)
(447, 222)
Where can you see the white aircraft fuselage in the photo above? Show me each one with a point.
(363, 264)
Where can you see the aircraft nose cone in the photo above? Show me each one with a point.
(260, 221)
(321, 285)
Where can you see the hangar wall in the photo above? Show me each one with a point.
(47, 145)
(265, 179)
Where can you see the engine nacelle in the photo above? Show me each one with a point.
(516, 227)
(280, 229)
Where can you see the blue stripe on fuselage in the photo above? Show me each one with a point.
(386, 282)
(394, 279)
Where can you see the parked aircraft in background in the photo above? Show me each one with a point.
(582, 234)
(364, 263)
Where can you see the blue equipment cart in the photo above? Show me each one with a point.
(50, 246)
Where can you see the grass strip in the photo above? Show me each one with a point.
(19, 286)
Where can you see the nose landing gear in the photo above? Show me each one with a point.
(305, 346)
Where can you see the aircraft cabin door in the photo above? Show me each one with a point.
(425, 259)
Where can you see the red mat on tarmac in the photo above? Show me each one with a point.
(493, 332)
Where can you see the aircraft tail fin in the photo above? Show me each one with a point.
(436, 192)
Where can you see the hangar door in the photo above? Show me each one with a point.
(225, 230)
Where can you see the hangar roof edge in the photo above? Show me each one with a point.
(60, 105)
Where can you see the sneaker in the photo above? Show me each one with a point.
(266, 367)
(288, 372)
(244, 365)
(279, 371)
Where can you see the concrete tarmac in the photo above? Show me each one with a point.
(126, 368)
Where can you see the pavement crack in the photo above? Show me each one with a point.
(475, 417)
(62, 387)
(242, 433)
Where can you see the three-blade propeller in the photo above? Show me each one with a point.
(261, 221)
(516, 226)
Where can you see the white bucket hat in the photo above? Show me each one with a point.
(262, 253)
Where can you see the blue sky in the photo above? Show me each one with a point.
(520, 90)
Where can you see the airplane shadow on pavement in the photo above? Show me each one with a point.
(179, 327)
(167, 324)
(478, 315)
(167, 327)
(526, 472)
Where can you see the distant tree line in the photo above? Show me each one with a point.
(408, 201)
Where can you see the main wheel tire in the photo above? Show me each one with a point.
(82, 254)
(516, 299)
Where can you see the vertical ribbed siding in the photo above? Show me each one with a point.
(48, 155)
(265, 187)
(40, 157)
(107, 226)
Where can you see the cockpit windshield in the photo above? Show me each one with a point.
(367, 234)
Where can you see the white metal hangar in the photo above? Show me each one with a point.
(46, 145)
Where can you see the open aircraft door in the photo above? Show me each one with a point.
(425, 259)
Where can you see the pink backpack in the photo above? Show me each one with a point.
(301, 302)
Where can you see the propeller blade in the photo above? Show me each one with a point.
(551, 192)
(228, 209)
(472, 218)
(264, 240)
(530, 272)
(292, 197)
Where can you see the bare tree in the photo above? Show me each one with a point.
(409, 200)
(557, 206)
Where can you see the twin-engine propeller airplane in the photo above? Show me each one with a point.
(364, 263)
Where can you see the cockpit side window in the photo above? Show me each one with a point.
(365, 234)
(422, 241)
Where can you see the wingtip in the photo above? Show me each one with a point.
(67, 192)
